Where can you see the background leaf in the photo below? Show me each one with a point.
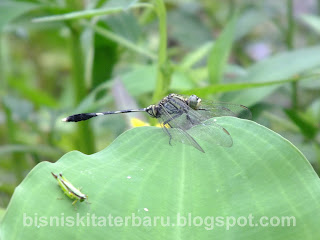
(88, 13)
(312, 21)
(192, 34)
(308, 128)
(219, 53)
(281, 66)
(9, 10)
(217, 88)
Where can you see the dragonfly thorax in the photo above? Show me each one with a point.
(194, 102)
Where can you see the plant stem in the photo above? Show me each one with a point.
(289, 41)
(231, 9)
(85, 139)
(291, 27)
(163, 68)
(18, 159)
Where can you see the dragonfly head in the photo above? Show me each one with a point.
(152, 111)
(194, 102)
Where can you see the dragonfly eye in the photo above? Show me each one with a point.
(152, 111)
(194, 102)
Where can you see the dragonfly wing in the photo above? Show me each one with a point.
(207, 129)
(175, 129)
(195, 125)
(210, 131)
(209, 109)
(179, 135)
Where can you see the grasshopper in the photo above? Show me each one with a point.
(71, 191)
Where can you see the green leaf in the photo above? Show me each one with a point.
(220, 51)
(90, 13)
(123, 41)
(180, 81)
(36, 96)
(248, 20)
(104, 58)
(195, 56)
(230, 87)
(9, 10)
(306, 125)
(281, 66)
(125, 24)
(140, 80)
(312, 21)
(187, 29)
(262, 174)
(42, 150)
(2, 212)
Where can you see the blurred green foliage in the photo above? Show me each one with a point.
(63, 57)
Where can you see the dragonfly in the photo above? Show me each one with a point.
(185, 118)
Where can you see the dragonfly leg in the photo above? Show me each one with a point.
(190, 120)
(203, 109)
(170, 137)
